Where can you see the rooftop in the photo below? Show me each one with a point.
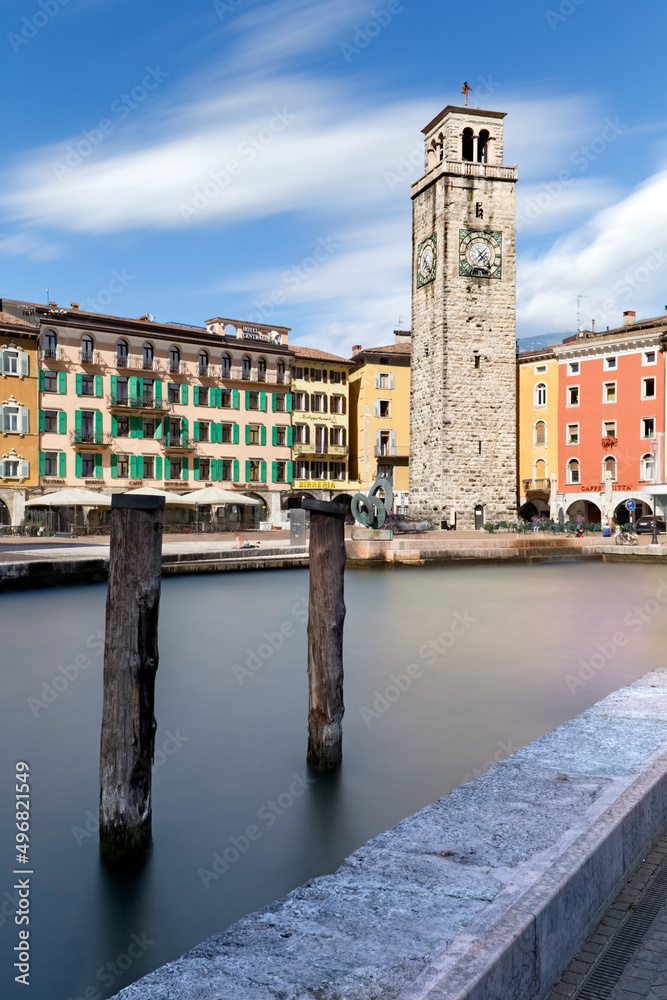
(317, 355)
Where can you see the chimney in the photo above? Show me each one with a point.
(75, 305)
(629, 317)
(402, 336)
(356, 349)
(592, 326)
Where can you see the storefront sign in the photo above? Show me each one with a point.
(600, 488)
(315, 484)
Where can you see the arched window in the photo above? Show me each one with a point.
(280, 371)
(647, 467)
(87, 347)
(246, 367)
(541, 394)
(147, 356)
(483, 147)
(541, 471)
(609, 465)
(540, 433)
(261, 369)
(573, 471)
(121, 354)
(174, 359)
(202, 359)
(50, 344)
(467, 145)
(226, 366)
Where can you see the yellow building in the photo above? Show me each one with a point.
(380, 416)
(538, 432)
(19, 419)
(320, 421)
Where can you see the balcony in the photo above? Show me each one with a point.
(536, 485)
(140, 403)
(318, 448)
(125, 361)
(386, 451)
(177, 442)
(89, 357)
(50, 354)
(78, 438)
(177, 367)
(207, 371)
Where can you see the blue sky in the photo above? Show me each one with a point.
(252, 159)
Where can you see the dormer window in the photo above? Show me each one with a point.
(467, 145)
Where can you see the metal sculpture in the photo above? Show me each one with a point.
(371, 511)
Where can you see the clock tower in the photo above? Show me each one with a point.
(463, 461)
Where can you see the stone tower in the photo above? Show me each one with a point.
(463, 452)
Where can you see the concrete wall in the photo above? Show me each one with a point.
(484, 895)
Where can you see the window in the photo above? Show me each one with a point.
(540, 433)
(201, 396)
(51, 422)
(121, 389)
(149, 463)
(50, 463)
(123, 466)
(227, 469)
(202, 363)
(318, 470)
(316, 375)
(87, 385)
(609, 428)
(87, 431)
(227, 432)
(14, 468)
(540, 393)
(173, 392)
(280, 402)
(10, 362)
(261, 370)
(254, 470)
(87, 465)
(573, 471)
(337, 470)
(87, 347)
(302, 469)
(122, 427)
(281, 438)
(573, 433)
(385, 407)
(540, 470)
(246, 368)
(337, 436)
(149, 428)
(648, 388)
(253, 400)
(176, 468)
(149, 385)
(147, 355)
(174, 359)
(317, 403)
(50, 345)
(203, 432)
(483, 146)
(609, 392)
(540, 369)
(10, 424)
(253, 434)
(204, 468)
(281, 472)
(280, 371)
(609, 465)
(609, 364)
(649, 358)
(301, 373)
(573, 395)
(573, 368)
(226, 399)
(384, 380)
(50, 381)
(225, 366)
(301, 434)
(647, 467)
(121, 354)
(648, 427)
(337, 404)
(298, 399)
(467, 144)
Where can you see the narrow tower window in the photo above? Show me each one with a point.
(483, 146)
(467, 144)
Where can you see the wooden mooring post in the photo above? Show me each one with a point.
(130, 664)
(326, 615)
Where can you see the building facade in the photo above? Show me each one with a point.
(463, 377)
(19, 419)
(380, 416)
(538, 433)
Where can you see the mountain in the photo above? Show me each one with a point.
(543, 340)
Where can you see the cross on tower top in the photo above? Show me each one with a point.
(465, 89)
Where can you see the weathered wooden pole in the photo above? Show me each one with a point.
(130, 664)
(326, 615)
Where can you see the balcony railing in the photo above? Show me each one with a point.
(50, 354)
(319, 448)
(90, 437)
(536, 484)
(177, 367)
(89, 357)
(386, 451)
(177, 442)
(207, 371)
(138, 403)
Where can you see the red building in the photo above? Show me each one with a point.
(612, 420)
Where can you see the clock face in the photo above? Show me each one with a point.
(427, 257)
(480, 254)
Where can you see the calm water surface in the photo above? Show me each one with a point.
(236, 737)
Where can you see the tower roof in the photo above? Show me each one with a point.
(452, 109)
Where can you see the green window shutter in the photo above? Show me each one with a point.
(41, 378)
(262, 472)
(62, 464)
(140, 427)
(213, 433)
(214, 470)
(247, 471)
(273, 401)
(167, 468)
(42, 463)
(195, 395)
(274, 472)
(42, 419)
(158, 432)
(235, 433)
(77, 420)
(114, 385)
(290, 436)
(157, 390)
(288, 402)
(262, 435)
(62, 383)
(235, 470)
(184, 429)
(99, 427)
(79, 383)
(184, 394)
(247, 399)
(262, 401)
(78, 465)
(114, 466)
(235, 399)
(133, 427)
(274, 437)
(133, 386)
(158, 467)
(195, 468)
(99, 386)
(195, 431)
(62, 422)
(140, 387)
(289, 473)
(220, 398)
(247, 433)
(133, 467)
(99, 471)
(186, 471)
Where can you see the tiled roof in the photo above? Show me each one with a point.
(6, 319)
(317, 355)
(390, 349)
